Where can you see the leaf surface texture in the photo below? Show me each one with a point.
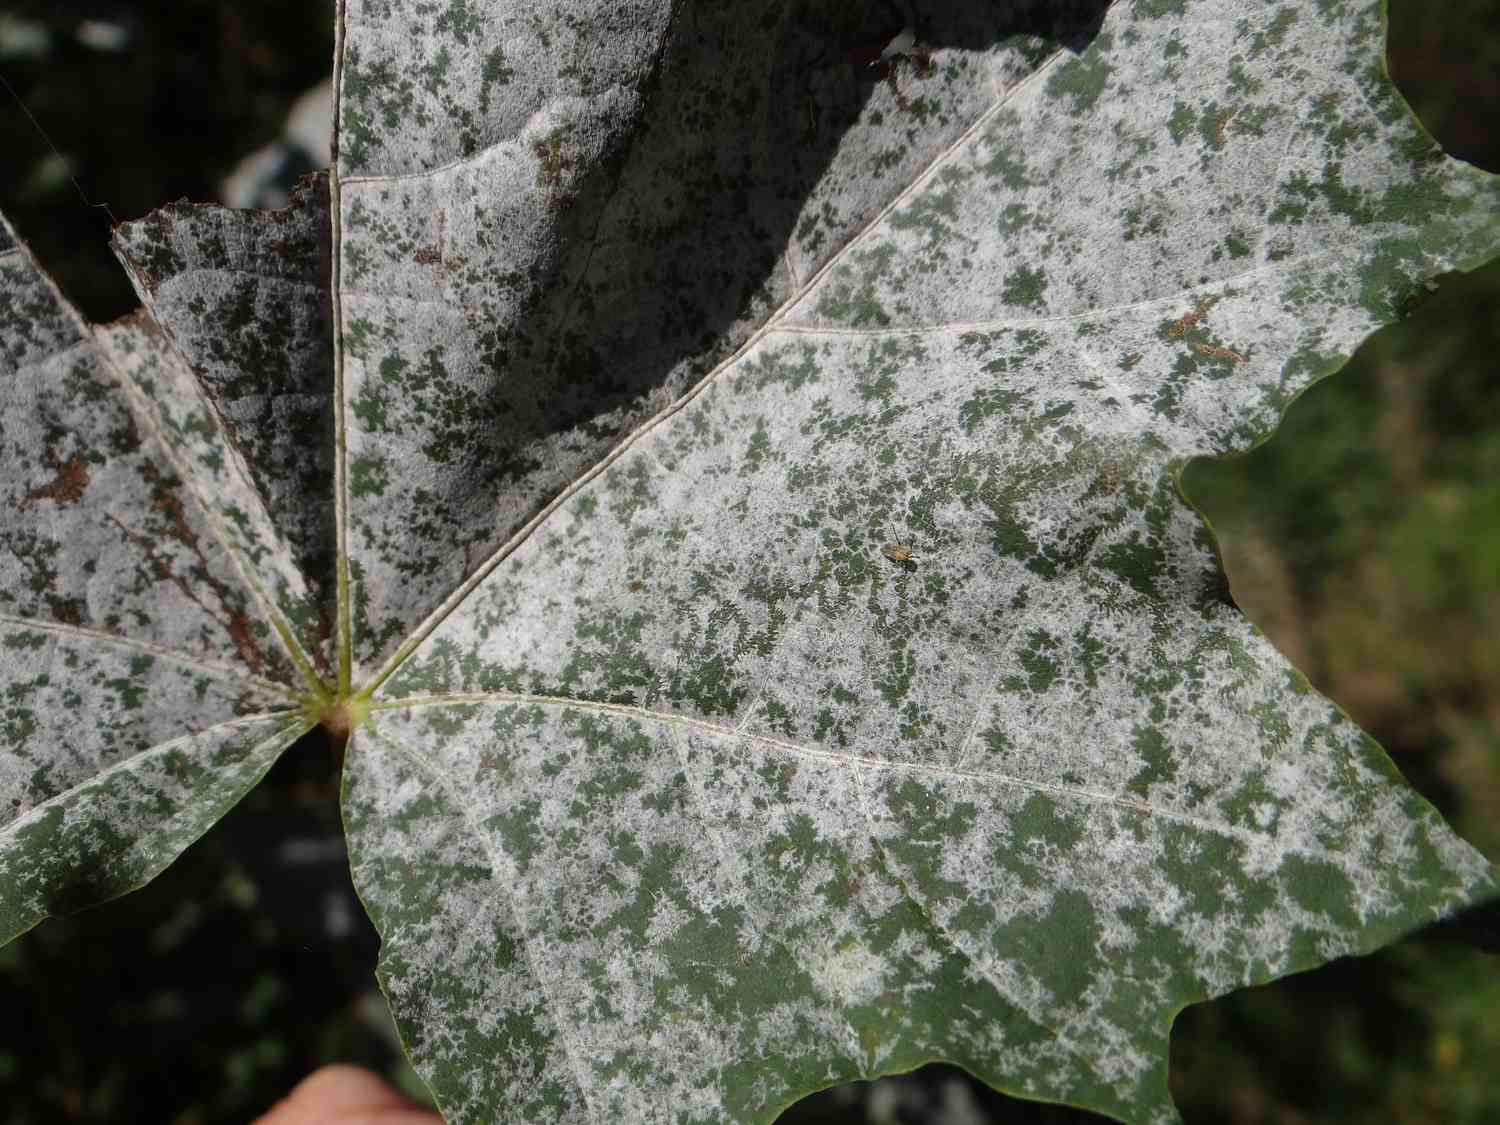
(728, 456)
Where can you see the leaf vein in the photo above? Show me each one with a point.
(796, 750)
(497, 861)
(1062, 318)
(146, 415)
(300, 726)
(99, 636)
(506, 549)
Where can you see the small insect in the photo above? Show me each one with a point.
(635, 586)
(899, 552)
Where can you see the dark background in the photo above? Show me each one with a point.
(1364, 538)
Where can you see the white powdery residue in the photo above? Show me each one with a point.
(1112, 1051)
(850, 976)
(1168, 903)
(1117, 936)
(666, 919)
(784, 1023)
(747, 934)
(1118, 848)
(1286, 777)
(1007, 977)
(1212, 938)
(913, 946)
(701, 1103)
(1263, 854)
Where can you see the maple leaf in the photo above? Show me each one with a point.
(717, 467)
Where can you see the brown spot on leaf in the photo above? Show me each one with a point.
(67, 487)
(1179, 328)
(236, 624)
(1214, 352)
(552, 161)
(244, 642)
(164, 499)
(1221, 129)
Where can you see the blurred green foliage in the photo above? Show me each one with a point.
(1364, 538)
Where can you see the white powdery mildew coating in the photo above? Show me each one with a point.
(243, 297)
(129, 695)
(205, 507)
(902, 617)
(881, 701)
(118, 828)
(1105, 194)
(123, 621)
(424, 87)
(525, 283)
(437, 279)
(711, 930)
(936, 93)
(100, 533)
(430, 881)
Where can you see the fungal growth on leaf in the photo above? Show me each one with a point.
(473, 454)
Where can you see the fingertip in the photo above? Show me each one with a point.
(341, 1094)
